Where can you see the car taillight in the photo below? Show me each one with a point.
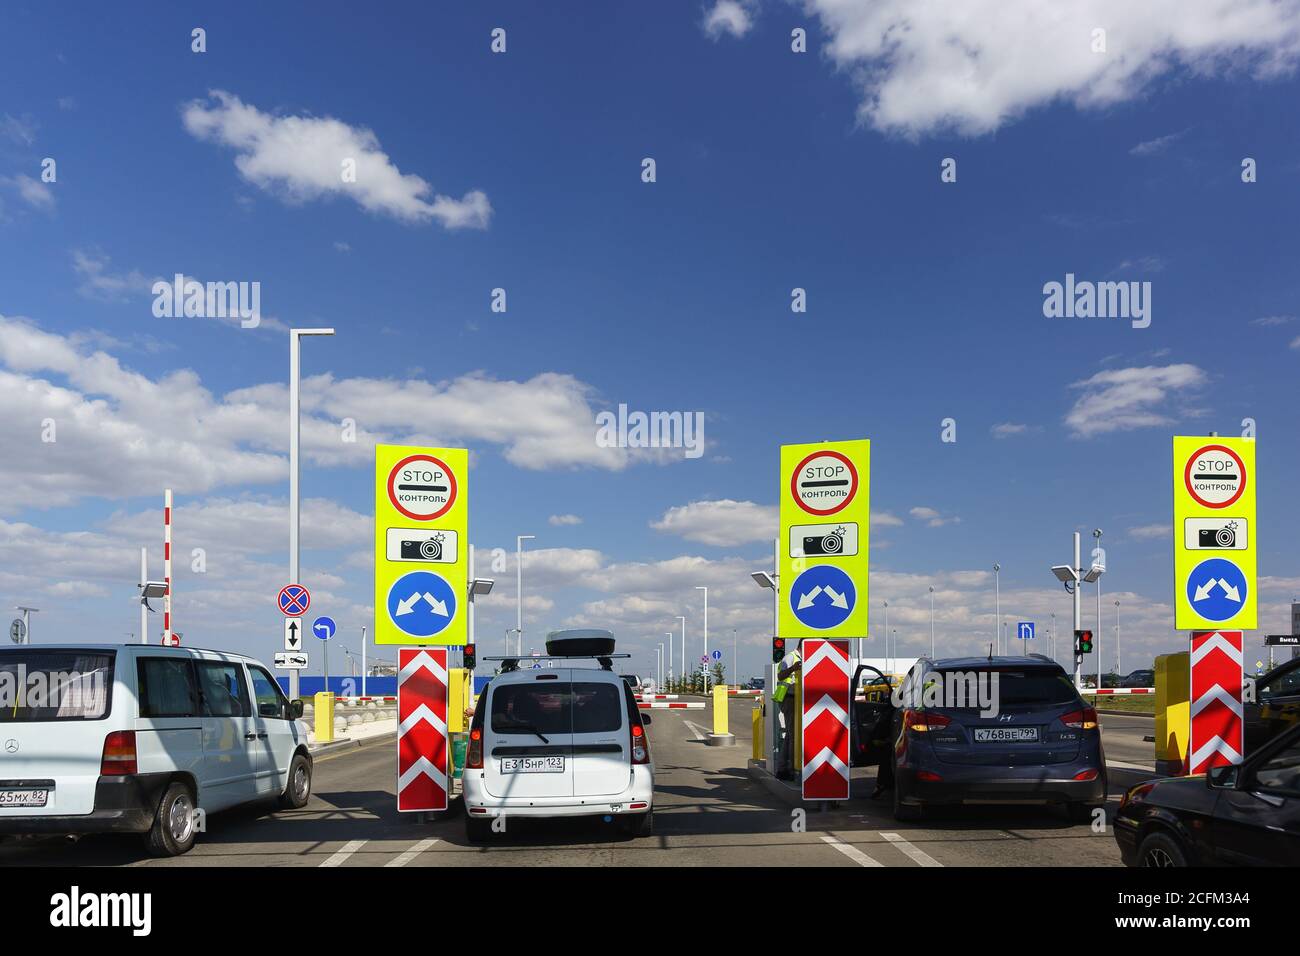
(1086, 775)
(1134, 794)
(640, 745)
(119, 754)
(922, 722)
(928, 776)
(1085, 719)
(474, 752)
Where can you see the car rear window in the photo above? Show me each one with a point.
(557, 708)
(37, 685)
(1021, 686)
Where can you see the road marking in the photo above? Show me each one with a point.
(348, 849)
(699, 734)
(1129, 766)
(412, 853)
(852, 852)
(918, 855)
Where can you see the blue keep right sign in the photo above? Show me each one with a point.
(1216, 589)
(823, 597)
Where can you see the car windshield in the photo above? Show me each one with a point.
(555, 708)
(44, 685)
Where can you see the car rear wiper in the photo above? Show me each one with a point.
(521, 725)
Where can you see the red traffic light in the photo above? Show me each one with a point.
(470, 656)
(778, 649)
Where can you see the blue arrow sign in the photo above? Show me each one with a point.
(421, 603)
(716, 655)
(823, 597)
(324, 628)
(1025, 630)
(1216, 589)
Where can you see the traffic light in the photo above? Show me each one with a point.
(778, 649)
(470, 656)
(1082, 643)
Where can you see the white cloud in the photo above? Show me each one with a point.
(19, 129)
(973, 66)
(1128, 398)
(559, 521)
(32, 191)
(932, 517)
(97, 282)
(724, 523)
(730, 17)
(1153, 147)
(117, 431)
(883, 519)
(1147, 532)
(301, 158)
(1008, 429)
(1269, 320)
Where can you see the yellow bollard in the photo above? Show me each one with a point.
(720, 709)
(457, 679)
(324, 714)
(1173, 712)
(758, 723)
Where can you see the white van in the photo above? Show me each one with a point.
(559, 741)
(136, 738)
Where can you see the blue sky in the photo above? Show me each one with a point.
(775, 170)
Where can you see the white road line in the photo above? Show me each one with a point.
(918, 855)
(409, 855)
(852, 852)
(348, 849)
(1128, 766)
(699, 734)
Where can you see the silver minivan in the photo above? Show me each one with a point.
(143, 739)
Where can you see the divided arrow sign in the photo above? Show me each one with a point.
(407, 605)
(1204, 590)
(837, 599)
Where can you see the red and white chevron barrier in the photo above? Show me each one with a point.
(657, 696)
(687, 705)
(421, 729)
(744, 693)
(826, 696)
(1216, 737)
(1120, 690)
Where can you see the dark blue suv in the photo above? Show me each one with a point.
(982, 730)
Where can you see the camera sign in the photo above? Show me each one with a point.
(430, 547)
(824, 482)
(1214, 534)
(829, 540)
(1217, 534)
(421, 523)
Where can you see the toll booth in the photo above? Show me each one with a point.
(1173, 713)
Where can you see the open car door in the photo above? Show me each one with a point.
(871, 717)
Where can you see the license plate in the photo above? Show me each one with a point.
(1001, 735)
(24, 798)
(532, 765)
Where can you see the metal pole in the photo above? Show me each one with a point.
(683, 620)
(735, 658)
(773, 718)
(997, 608)
(886, 633)
(167, 566)
(699, 587)
(363, 659)
(519, 586)
(1119, 664)
(669, 658)
(932, 622)
(1078, 616)
(144, 608)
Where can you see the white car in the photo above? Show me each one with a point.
(137, 738)
(562, 741)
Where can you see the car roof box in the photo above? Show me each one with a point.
(580, 642)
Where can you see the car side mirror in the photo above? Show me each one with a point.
(1223, 777)
(295, 709)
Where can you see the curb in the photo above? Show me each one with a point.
(778, 788)
(348, 743)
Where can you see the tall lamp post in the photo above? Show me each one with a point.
(519, 586)
(997, 608)
(700, 587)
(1119, 665)
(1094, 576)
(682, 618)
(295, 440)
(931, 622)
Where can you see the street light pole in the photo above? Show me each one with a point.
(295, 429)
(1078, 610)
(700, 587)
(931, 622)
(997, 607)
(27, 621)
(1096, 556)
(669, 659)
(886, 633)
(519, 586)
(1119, 665)
(683, 620)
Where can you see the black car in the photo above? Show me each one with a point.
(1276, 705)
(1240, 815)
(1033, 741)
(1142, 678)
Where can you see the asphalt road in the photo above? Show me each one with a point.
(708, 811)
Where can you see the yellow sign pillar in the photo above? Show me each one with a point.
(1173, 712)
(323, 715)
(720, 709)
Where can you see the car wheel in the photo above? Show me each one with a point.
(298, 790)
(640, 824)
(173, 830)
(1161, 849)
(905, 812)
(478, 830)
